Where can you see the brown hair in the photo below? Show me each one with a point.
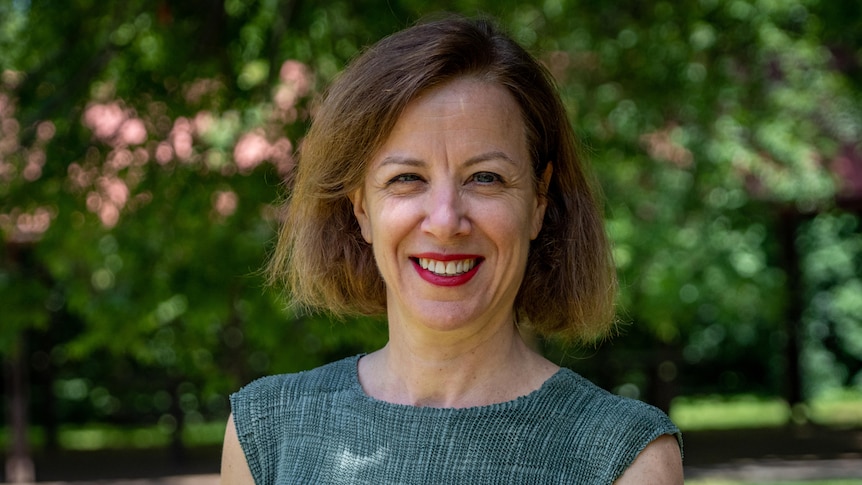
(570, 283)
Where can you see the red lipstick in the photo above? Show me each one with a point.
(446, 280)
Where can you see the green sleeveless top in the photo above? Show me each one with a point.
(319, 427)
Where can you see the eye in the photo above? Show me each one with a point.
(486, 178)
(404, 178)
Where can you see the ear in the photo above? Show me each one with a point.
(357, 198)
(541, 201)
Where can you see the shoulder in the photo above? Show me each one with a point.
(603, 411)
(262, 409)
(616, 428)
(659, 462)
(267, 393)
(235, 469)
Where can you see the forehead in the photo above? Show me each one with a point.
(465, 113)
(466, 96)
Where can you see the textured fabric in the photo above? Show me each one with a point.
(320, 427)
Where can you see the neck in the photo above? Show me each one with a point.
(465, 372)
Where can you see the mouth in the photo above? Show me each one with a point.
(447, 268)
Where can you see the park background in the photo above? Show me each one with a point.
(143, 145)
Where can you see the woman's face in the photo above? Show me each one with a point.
(450, 207)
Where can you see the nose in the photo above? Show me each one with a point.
(445, 213)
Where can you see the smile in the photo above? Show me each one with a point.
(447, 268)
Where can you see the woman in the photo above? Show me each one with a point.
(440, 185)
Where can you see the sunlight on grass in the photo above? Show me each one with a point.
(203, 434)
(714, 412)
(841, 407)
(95, 437)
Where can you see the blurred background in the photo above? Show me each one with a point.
(143, 144)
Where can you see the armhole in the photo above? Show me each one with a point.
(248, 431)
(643, 427)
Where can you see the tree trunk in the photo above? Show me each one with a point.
(19, 463)
(178, 452)
(789, 225)
(664, 377)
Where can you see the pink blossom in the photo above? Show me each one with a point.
(94, 202)
(118, 159)
(10, 127)
(111, 198)
(281, 153)
(203, 122)
(132, 132)
(109, 215)
(181, 137)
(225, 202)
(250, 151)
(296, 74)
(31, 226)
(141, 156)
(80, 177)
(115, 190)
(104, 119)
(35, 162)
(200, 88)
(36, 157)
(285, 97)
(183, 145)
(164, 153)
(7, 107)
(45, 131)
(32, 172)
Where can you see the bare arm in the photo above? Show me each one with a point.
(234, 467)
(660, 463)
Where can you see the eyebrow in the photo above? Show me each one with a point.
(493, 155)
(398, 160)
(483, 157)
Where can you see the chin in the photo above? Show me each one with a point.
(450, 316)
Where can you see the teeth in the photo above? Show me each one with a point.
(448, 268)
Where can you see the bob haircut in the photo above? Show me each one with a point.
(570, 282)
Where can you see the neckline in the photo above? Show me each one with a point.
(356, 388)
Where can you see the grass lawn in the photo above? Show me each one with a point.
(838, 409)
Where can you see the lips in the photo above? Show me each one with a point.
(447, 270)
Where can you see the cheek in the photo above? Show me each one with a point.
(388, 224)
